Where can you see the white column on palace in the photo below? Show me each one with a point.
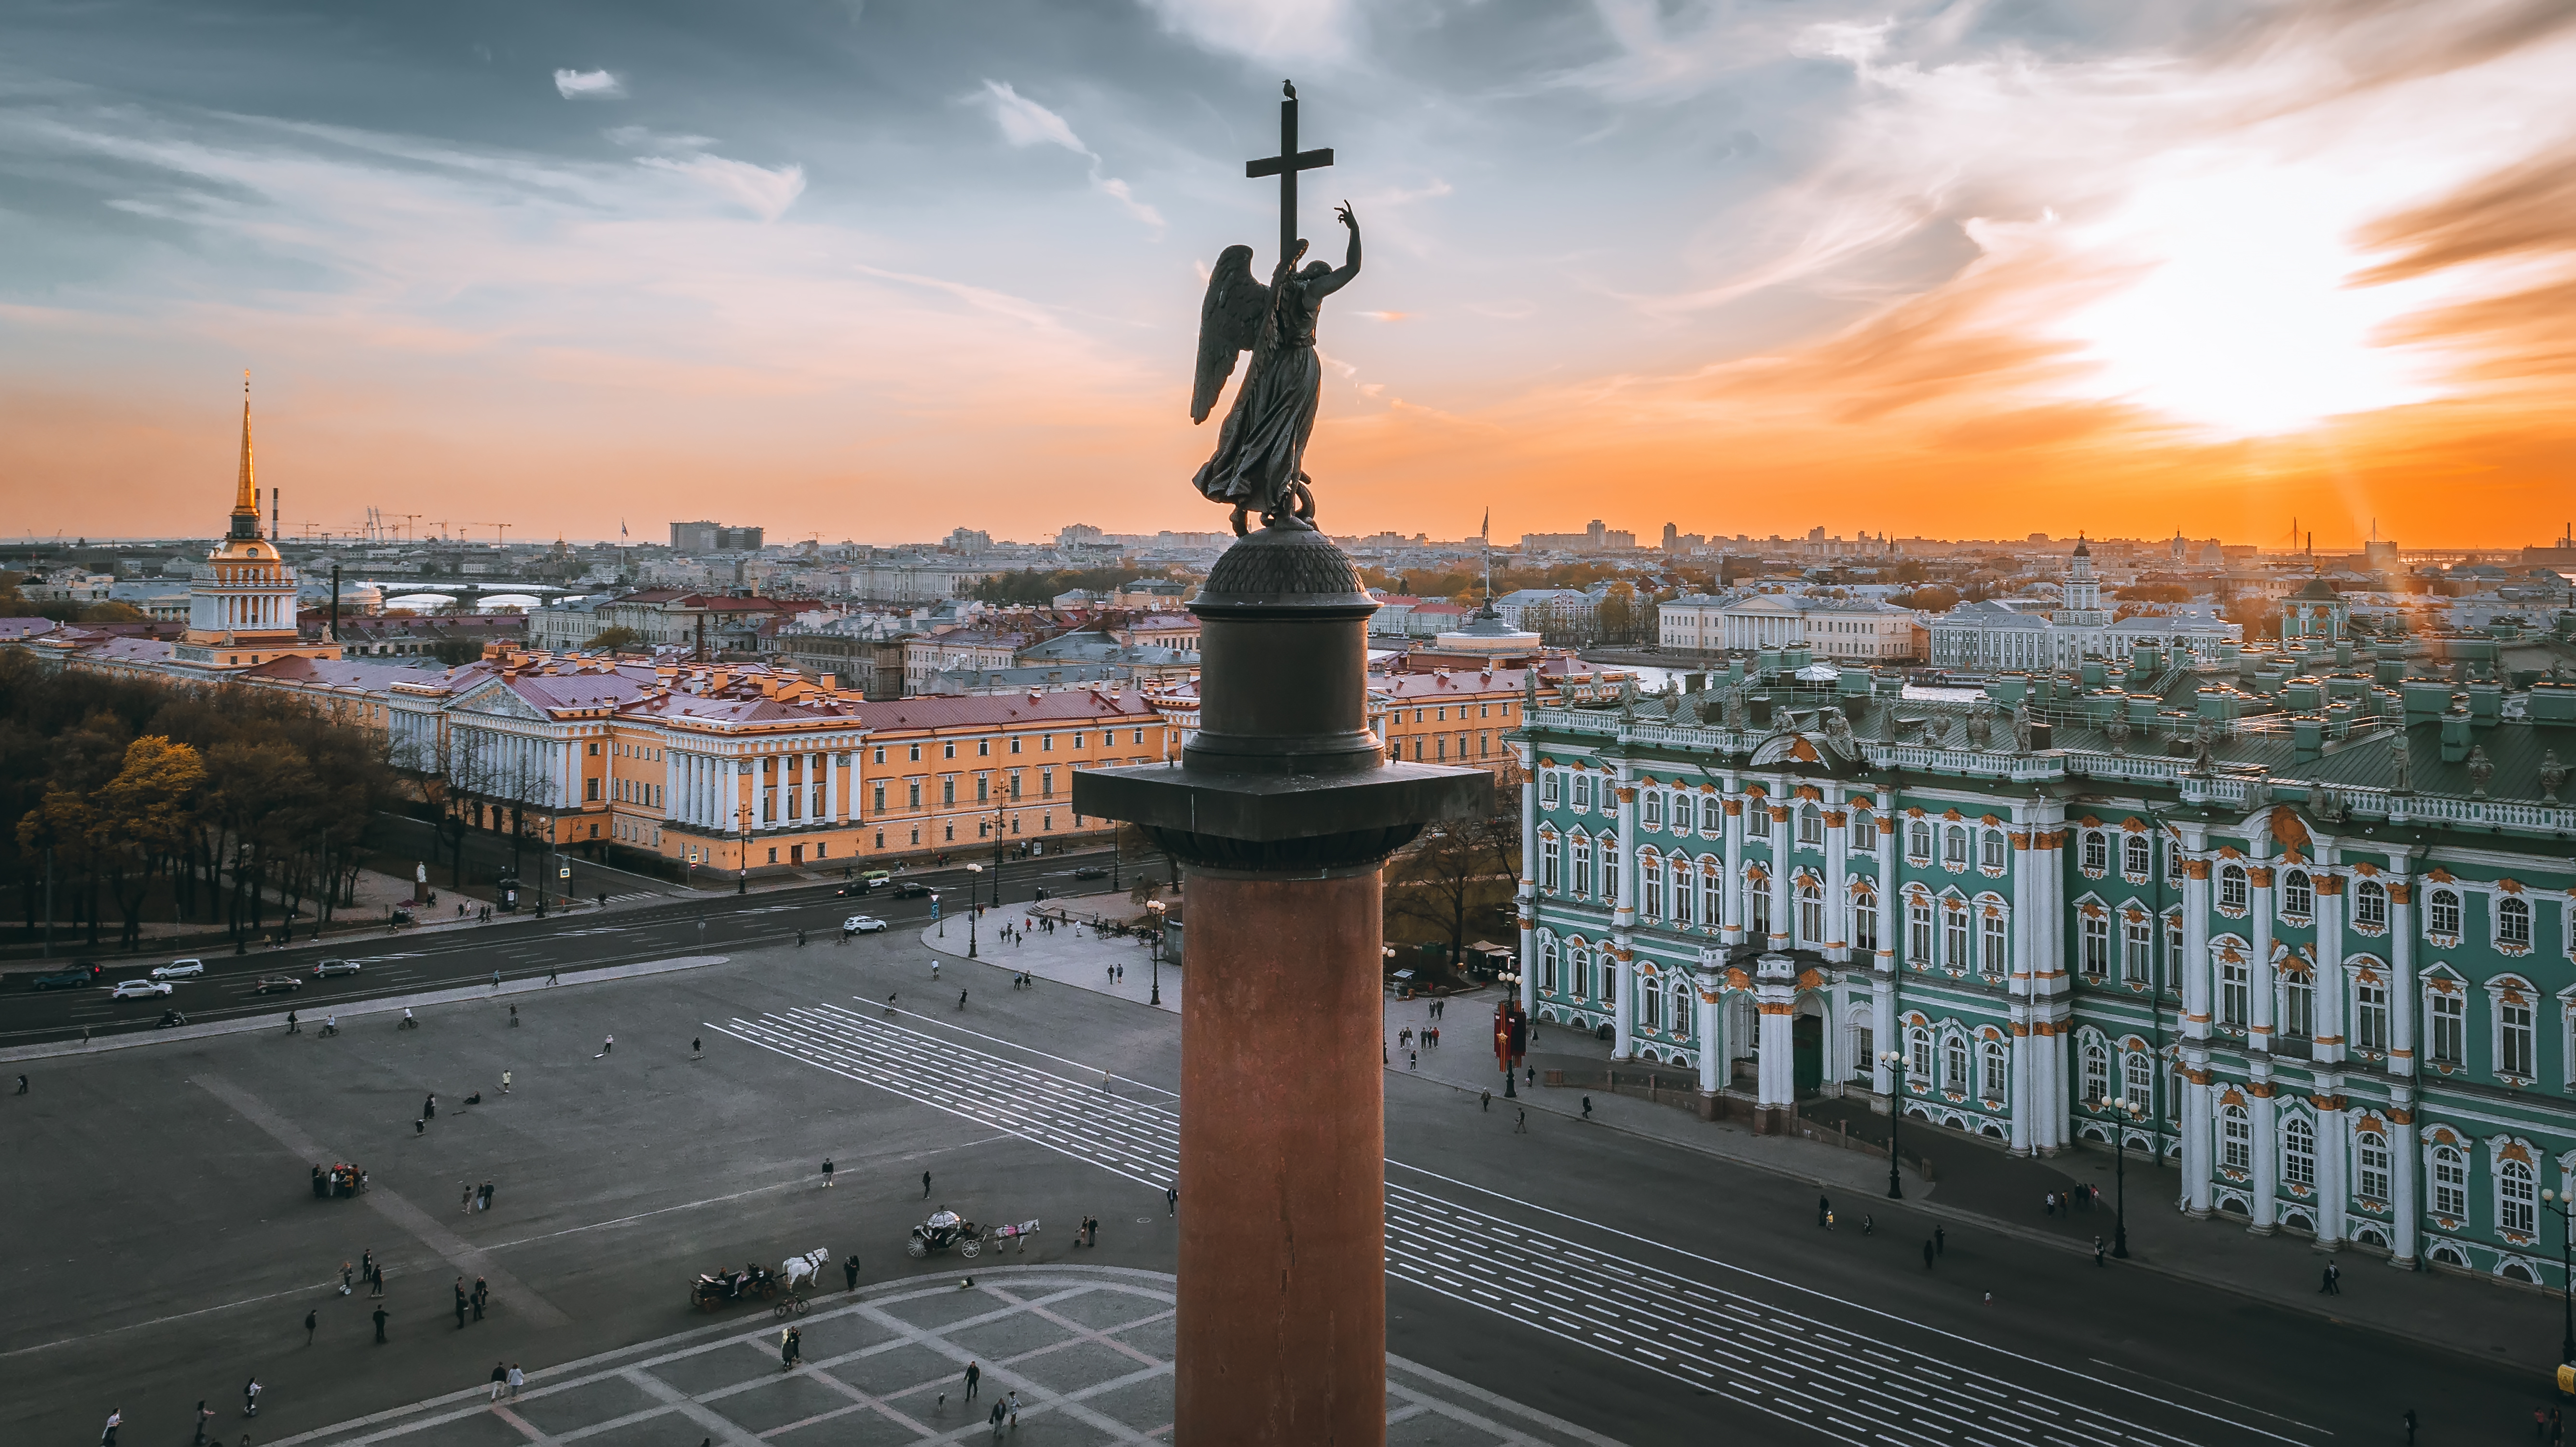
(1527, 890)
(1623, 921)
(2334, 1123)
(1731, 896)
(2193, 972)
(2407, 1169)
(1781, 905)
(1707, 982)
(1883, 963)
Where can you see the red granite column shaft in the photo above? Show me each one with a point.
(1282, 1316)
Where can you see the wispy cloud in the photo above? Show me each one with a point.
(763, 191)
(1026, 123)
(1291, 31)
(588, 85)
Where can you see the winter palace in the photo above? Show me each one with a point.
(2297, 919)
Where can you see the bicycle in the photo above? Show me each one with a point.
(407, 1023)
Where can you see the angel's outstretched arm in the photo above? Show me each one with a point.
(1335, 280)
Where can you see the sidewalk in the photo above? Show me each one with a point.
(1074, 955)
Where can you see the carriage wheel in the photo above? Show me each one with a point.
(914, 1249)
(768, 1291)
(970, 1248)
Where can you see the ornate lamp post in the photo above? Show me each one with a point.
(2556, 1205)
(972, 871)
(1156, 906)
(2128, 1112)
(742, 876)
(1894, 1060)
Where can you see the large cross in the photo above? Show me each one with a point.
(1285, 166)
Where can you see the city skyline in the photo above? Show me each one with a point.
(1967, 274)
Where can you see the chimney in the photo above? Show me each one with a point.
(272, 515)
(335, 603)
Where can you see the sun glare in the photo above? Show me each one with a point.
(2242, 317)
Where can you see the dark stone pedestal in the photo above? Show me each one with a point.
(1282, 808)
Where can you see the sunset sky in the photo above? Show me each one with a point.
(876, 270)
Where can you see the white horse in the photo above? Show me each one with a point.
(807, 1268)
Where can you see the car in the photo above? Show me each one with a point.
(855, 887)
(180, 970)
(862, 924)
(328, 968)
(139, 989)
(911, 889)
(1091, 871)
(276, 985)
(78, 977)
(875, 877)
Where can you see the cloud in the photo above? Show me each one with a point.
(644, 136)
(1026, 123)
(587, 85)
(1318, 31)
(761, 190)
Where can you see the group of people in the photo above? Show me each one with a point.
(478, 1198)
(342, 1179)
(475, 1300)
(2055, 1202)
(735, 1283)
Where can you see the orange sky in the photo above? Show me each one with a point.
(1891, 271)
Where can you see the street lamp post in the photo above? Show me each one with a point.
(1156, 906)
(2128, 1111)
(1895, 1063)
(973, 872)
(2556, 1205)
(742, 876)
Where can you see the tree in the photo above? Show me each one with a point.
(141, 820)
(615, 638)
(1450, 876)
(111, 611)
(456, 651)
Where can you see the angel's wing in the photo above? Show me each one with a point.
(1229, 324)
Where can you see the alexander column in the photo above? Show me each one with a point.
(1282, 810)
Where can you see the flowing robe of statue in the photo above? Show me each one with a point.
(1259, 465)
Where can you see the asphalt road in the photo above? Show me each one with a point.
(166, 1244)
(403, 962)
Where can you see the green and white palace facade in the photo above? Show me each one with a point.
(2304, 912)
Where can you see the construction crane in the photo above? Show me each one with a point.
(409, 521)
(502, 534)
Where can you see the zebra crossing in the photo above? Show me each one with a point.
(1746, 1344)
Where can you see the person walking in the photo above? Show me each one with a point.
(1172, 1199)
(993, 1419)
(791, 1346)
(496, 979)
(22, 1084)
(1521, 1126)
(697, 1048)
(505, 1082)
(1927, 1253)
(1011, 1399)
(517, 1379)
(1485, 1102)
(380, 1315)
(250, 1397)
(429, 1108)
(605, 1046)
(312, 1323)
(1941, 1240)
(2331, 1286)
(460, 1303)
(2409, 1420)
(925, 1185)
(2097, 1252)
(347, 1273)
(292, 1028)
(481, 1295)
(115, 1419)
(468, 1202)
(554, 976)
(961, 999)
(205, 1414)
(500, 1379)
(827, 1173)
(850, 1271)
(974, 1375)
(1587, 1107)
(1824, 1208)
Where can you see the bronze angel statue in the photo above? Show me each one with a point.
(1261, 447)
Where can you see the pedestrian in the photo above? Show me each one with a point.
(1485, 1102)
(1829, 1220)
(380, 1326)
(312, 1323)
(993, 1419)
(827, 1173)
(961, 999)
(697, 1048)
(22, 1084)
(481, 1295)
(116, 1419)
(1412, 1060)
(605, 1046)
(1868, 1224)
(500, 1379)
(1824, 1208)
(1172, 1199)
(850, 1271)
(292, 1028)
(429, 1108)
(1012, 1400)
(553, 975)
(250, 1397)
(925, 1185)
(1521, 1126)
(2331, 1286)
(1927, 1253)
(800, 939)
(345, 1273)
(484, 1201)
(496, 979)
(505, 1075)
(468, 1203)
(1587, 1107)
(791, 1345)
(2409, 1420)
(514, 1014)
(1941, 1239)
(205, 1414)
(974, 1375)
(2048, 1204)
(2097, 1252)
(517, 1379)
(460, 1303)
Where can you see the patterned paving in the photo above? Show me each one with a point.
(1088, 1349)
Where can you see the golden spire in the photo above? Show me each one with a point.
(245, 491)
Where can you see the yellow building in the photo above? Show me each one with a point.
(241, 601)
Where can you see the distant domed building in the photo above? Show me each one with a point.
(242, 599)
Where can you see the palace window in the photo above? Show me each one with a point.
(1918, 1053)
(1811, 915)
(2138, 1074)
(2370, 1179)
(2235, 992)
(2298, 896)
(2370, 906)
(2513, 923)
(1954, 1064)
(1865, 922)
(1811, 826)
(2298, 1004)
(2231, 888)
(1550, 856)
(1651, 809)
(1547, 964)
(2173, 945)
(1582, 865)
(1757, 906)
(2136, 857)
(1650, 1008)
(2097, 946)
(2449, 1035)
(1994, 937)
(1681, 883)
(1582, 793)
(2370, 1015)
(2137, 948)
(1654, 880)
(1954, 938)
(1712, 894)
(1864, 829)
(1995, 1074)
(1954, 847)
(2235, 1138)
(2096, 1082)
(2516, 1198)
(1712, 815)
(2514, 1040)
(2442, 913)
(1994, 849)
(1547, 789)
(2298, 1152)
(1918, 930)
(1918, 841)
(2097, 852)
(2450, 1181)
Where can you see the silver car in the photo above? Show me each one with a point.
(180, 970)
(139, 989)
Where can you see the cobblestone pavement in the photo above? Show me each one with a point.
(1088, 1349)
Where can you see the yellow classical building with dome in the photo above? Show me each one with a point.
(242, 600)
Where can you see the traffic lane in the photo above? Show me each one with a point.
(2098, 1332)
(517, 949)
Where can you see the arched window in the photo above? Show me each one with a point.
(1954, 847)
(2516, 1193)
(1992, 1053)
(2370, 1014)
(1918, 841)
(2370, 905)
(2298, 1152)
(1547, 788)
(1811, 825)
(1681, 884)
(2370, 1179)
(1954, 1064)
(1918, 1054)
(1918, 929)
(2231, 887)
(1712, 815)
(2097, 852)
(2138, 1079)
(2513, 923)
(2135, 856)
(2137, 947)
(1757, 905)
(1681, 1017)
(1712, 895)
(1650, 809)
(2235, 1138)
(1650, 1007)
(2235, 992)
(2298, 1002)
(1865, 921)
(2442, 912)
(1578, 963)
(1547, 964)
(2096, 954)
(1811, 914)
(1651, 869)
(1582, 792)
(2449, 1036)
(1582, 871)
(2450, 1181)
(1551, 858)
(1994, 849)
(2095, 1086)
(2298, 896)
(2513, 1036)
(1864, 829)
(1994, 951)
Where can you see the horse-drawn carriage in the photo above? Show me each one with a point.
(713, 1290)
(945, 1230)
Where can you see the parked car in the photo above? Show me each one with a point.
(139, 989)
(276, 985)
(78, 977)
(1091, 871)
(180, 970)
(862, 924)
(328, 968)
